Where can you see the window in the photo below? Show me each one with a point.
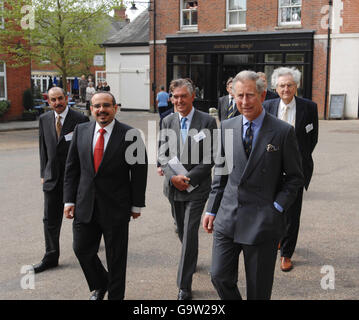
(3, 94)
(290, 12)
(189, 16)
(236, 13)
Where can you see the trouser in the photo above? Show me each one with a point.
(259, 263)
(289, 241)
(53, 213)
(83, 94)
(187, 216)
(87, 238)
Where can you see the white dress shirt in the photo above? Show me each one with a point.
(106, 136)
(189, 118)
(62, 116)
(291, 113)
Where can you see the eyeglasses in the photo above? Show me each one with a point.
(288, 85)
(104, 105)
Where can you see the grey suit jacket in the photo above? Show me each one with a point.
(53, 151)
(196, 154)
(222, 108)
(306, 130)
(243, 198)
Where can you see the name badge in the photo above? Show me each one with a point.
(68, 137)
(309, 127)
(199, 136)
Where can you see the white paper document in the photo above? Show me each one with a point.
(178, 168)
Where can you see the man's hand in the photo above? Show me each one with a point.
(160, 171)
(135, 215)
(180, 182)
(42, 180)
(69, 212)
(208, 223)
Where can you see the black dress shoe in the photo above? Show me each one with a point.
(184, 294)
(44, 265)
(98, 294)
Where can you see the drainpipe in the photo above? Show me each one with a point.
(330, 2)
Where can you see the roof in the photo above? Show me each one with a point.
(136, 33)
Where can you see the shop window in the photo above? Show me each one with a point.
(3, 94)
(238, 59)
(236, 13)
(290, 12)
(189, 14)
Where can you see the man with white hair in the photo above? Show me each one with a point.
(302, 114)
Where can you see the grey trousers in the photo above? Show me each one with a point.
(187, 215)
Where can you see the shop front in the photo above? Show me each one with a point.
(209, 60)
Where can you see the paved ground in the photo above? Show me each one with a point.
(328, 236)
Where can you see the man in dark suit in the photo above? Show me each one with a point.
(269, 93)
(55, 134)
(226, 104)
(105, 184)
(303, 115)
(186, 136)
(249, 197)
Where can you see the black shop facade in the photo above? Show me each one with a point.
(209, 60)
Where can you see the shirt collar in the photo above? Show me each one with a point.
(63, 114)
(188, 116)
(108, 128)
(290, 105)
(257, 121)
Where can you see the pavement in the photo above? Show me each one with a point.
(326, 259)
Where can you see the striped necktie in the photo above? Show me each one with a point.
(184, 129)
(230, 110)
(248, 139)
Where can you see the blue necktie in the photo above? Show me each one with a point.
(248, 139)
(184, 129)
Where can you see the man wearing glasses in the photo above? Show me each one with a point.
(302, 114)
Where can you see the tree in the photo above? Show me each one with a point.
(59, 31)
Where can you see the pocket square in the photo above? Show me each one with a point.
(271, 148)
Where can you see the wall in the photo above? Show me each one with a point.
(127, 73)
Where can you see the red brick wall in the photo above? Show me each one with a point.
(262, 16)
(350, 16)
(17, 81)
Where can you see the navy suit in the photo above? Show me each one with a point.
(306, 130)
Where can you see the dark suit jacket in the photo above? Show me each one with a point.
(223, 103)
(243, 197)
(53, 151)
(118, 184)
(196, 156)
(306, 115)
(271, 95)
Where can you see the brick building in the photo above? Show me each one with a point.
(210, 40)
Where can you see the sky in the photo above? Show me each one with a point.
(132, 14)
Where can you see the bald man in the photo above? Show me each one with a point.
(55, 134)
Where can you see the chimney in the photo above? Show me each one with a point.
(120, 14)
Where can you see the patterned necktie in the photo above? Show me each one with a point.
(248, 139)
(230, 110)
(98, 153)
(184, 129)
(285, 113)
(58, 126)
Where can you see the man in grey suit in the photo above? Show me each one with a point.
(248, 203)
(186, 136)
(226, 105)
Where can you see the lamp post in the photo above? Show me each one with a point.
(154, 85)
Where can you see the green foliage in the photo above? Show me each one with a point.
(60, 31)
(4, 107)
(27, 99)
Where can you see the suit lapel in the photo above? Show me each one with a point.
(299, 114)
(265, 135)
(240, 157)
(275, 106)
(90, 131)
(112, 145)
(52, 127)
